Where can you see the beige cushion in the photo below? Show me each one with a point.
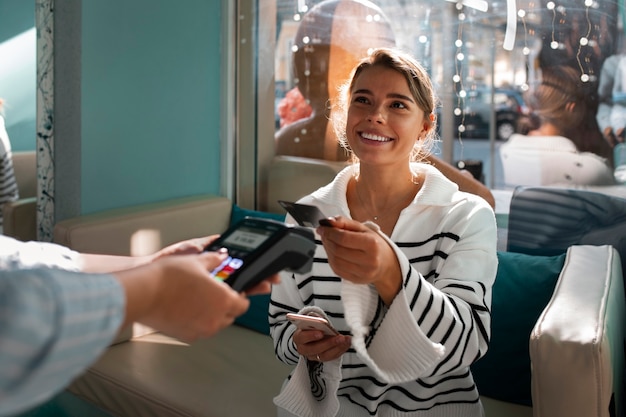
(292, 177)
(144, 229)
(20, 216)
(25, 167)
(20, 219)
(577, 345)
(235, 373)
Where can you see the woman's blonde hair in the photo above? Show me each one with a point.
(419, 84)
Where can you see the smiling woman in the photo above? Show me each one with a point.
(388, 268)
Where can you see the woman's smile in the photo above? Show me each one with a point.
(375, 137)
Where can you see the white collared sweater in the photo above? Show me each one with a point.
(411, 358)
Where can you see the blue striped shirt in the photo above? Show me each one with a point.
(53, 323)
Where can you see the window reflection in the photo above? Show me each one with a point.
(330, 39)
(463, 48)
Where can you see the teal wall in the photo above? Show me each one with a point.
(150, 92)
(18, 71)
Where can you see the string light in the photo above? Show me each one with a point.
(458, 72)
(552, 7)
(302, 6)
(521, 13)
(584, 42)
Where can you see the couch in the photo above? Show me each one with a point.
(574, 344)
(547, 220)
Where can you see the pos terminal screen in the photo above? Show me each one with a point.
(240, 243)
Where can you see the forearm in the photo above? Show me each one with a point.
(96, 263)
(465, 182)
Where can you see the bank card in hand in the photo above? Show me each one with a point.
(305, 214)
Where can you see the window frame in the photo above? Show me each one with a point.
(249, 145)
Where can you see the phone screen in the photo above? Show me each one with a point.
(240, 243)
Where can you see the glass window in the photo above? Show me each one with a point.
(485, 58)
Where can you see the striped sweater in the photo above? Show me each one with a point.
(411, 358)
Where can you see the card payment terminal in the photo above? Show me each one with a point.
(258, 248)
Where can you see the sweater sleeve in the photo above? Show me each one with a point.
(433, 325)
(53, 325)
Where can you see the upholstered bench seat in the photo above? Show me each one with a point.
(234, 373)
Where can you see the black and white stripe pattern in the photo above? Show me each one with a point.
(447, 251)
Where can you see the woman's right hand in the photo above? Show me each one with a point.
(360, 255)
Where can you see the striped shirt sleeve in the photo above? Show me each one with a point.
(53, 325)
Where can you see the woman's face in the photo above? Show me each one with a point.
(384, 121)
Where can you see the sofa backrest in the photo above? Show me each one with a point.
(292, 177)
(547, 220)
(144, 229)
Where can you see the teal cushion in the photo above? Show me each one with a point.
(524, 285)
(256, 316)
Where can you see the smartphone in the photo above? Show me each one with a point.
(308, 322)
(306, 215)
(258, 248)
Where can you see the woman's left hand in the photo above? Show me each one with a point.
(361, 255)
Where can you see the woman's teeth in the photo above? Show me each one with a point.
(377, 138)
